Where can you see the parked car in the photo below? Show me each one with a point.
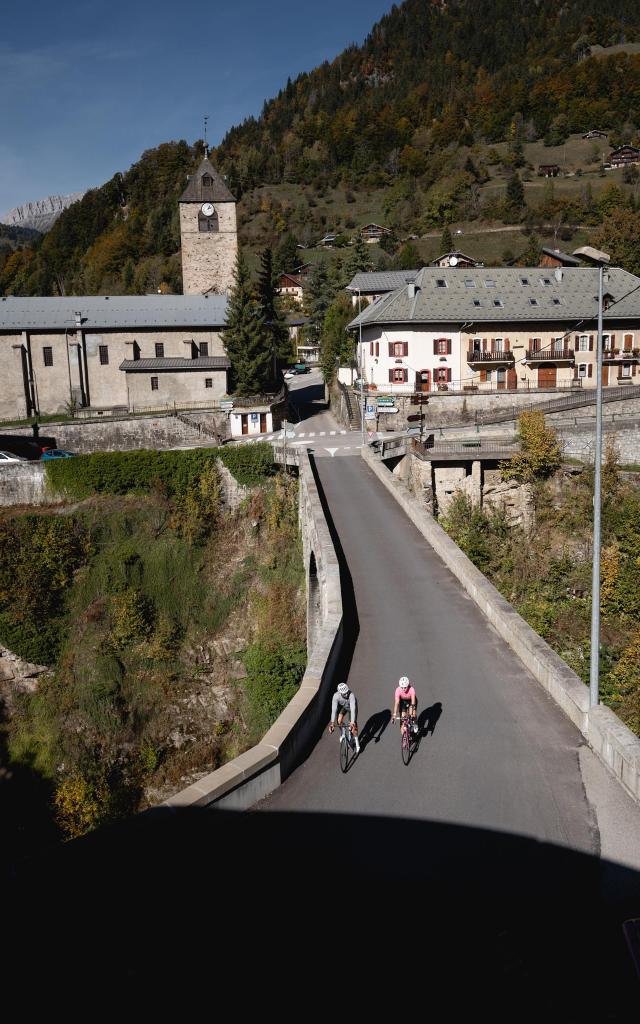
(56, 453)
(10, 457)
(289, 374)
(301, 368)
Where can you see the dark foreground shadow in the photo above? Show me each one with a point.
(374, 728)
(428, 719)
(307, 401)
(250, 907)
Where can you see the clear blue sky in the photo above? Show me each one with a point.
(86, 86)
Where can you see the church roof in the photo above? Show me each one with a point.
(196, 192)
(117, 312)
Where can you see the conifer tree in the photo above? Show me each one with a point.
(515, 193)
(317, 300)
(533, 253)
(246, 339)
(446, 242)
(358, 260)
(271, 313)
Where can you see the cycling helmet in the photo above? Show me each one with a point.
(403, 683)
(343, 689)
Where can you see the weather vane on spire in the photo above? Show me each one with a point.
(206, 147)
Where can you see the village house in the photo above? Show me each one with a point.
(373, 232)
(293, 285)
(500, 329)
(595, 133)
(555, 258)
(624, 155)
(367, 287)
(455, 259)
(548, 170)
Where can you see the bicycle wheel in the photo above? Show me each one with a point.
(406, 745)
(344, 753)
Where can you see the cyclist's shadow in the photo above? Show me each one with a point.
(427, 719)
(374, 728)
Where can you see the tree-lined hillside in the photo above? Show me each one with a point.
(443, 115)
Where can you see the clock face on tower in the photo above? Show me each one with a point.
(208, 209)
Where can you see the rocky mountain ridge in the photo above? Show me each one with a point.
(40, 214)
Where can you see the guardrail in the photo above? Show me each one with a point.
(573, 401)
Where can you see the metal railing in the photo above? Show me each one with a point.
(472, 447)
(535, 355)
(490, 357)
(575, 401)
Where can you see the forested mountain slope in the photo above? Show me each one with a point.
(422, 125)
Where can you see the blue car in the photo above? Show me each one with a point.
(56, 453)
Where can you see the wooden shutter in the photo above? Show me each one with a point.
(377, 348)
(576, 343)
(590, 344)
(449, 374)
(628, 342)
(633, 370)
(390, 348)
(493, 344)
(435, 346)
(620, 372)
(483, 376)
(448, 346)
(575, 373)
(405, 348)
(507, 344)
(613, 341)
(405, 375)
(484, 345)
(391, 376)
(590, 370)
(370, 348)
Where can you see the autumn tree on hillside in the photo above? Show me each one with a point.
(539, 454)
(337, 344)
(619, 236)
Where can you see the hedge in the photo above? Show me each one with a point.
(141, 471)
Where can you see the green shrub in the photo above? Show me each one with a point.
(274, 674)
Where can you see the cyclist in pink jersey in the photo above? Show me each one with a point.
(405, 701)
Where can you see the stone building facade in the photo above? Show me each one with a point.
(208, 233)
(105, 352)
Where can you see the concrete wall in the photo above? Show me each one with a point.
(22, 483)
(248, 778)
(613, 742)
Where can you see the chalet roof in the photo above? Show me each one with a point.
(589, 253)
(196, 192)
(299, 280)
(523, 294)
(175, 363)
(624, 149)
(372, 224)
(569, 261)
(115, 312)
(378, 282)
(458, 255)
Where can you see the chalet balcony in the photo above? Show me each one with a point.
(475, 358)
(547, 355)
(620, 355)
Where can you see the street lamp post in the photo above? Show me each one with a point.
(594, 665)
(360, 368)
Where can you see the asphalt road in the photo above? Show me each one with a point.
(496, 753)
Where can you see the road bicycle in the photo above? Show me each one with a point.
(408, 738)
(349, 747)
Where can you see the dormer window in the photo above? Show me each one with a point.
(489, 283)
(524, 281)
(207, 181)
(441, 283)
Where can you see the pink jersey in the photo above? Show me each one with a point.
(409, 694)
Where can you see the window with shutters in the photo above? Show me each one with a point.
(442, 346)
(47, 355)
(583, 343)
(104, 355)
(501, 375)
(442, 375)
(498, 344)
(536, 344)
(557, 344)
(154, 383)
(398, 376)
(399, 348)
(582, 370)
(477, 345)
(626, 370)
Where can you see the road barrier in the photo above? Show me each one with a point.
(616, 746)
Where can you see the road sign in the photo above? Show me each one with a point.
(226, 405)
(384, 400)
(386, 408)
(371, 410)
(286, 434)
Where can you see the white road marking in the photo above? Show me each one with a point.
(333, 432)
(332, 451)
(322, 433)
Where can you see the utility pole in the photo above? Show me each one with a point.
(594, 666)
(361, 366)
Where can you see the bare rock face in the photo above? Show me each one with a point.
(515, 498)
(40, 214)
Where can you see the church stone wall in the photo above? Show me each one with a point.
(208, 257)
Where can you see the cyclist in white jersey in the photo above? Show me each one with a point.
(344, 702)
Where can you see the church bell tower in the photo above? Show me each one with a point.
(208, 233)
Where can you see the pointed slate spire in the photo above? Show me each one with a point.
(206, 185)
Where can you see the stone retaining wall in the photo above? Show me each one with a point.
(610, 739)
